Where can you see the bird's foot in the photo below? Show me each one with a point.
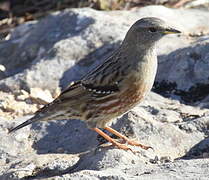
(127, 140)
(111, 140)
(135, 143)
(121, 146)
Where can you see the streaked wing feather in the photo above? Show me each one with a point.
(101, 91)
(96, 82)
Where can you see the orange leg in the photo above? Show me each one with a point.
(108, 138)
(130, 142)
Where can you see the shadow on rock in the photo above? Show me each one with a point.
(87, 161)
(183, 74)
(39, 40)
(63, 136)
(72, 136)
(200, 150)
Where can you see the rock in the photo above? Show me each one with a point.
(23, 103)
(22, 96)
(199, 4)
(40, 96)
(67, 149)
(10, 107)
(65, 45)
(2, 68)
(188, 76)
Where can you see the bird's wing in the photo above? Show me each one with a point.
(104, 79)
(101, 81)
(78, 90)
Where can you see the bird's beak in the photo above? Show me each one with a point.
(171, 31)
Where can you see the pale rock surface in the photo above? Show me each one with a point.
(63, 47)
(67, 149)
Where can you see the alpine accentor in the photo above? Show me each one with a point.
(115, 86)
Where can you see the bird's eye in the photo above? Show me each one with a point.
(151, 29)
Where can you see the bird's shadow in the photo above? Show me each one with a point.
(87, 161)
(75, 138)
(72, 136)
(63, 136)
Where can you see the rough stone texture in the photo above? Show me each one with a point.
(78, 39)
(22, 103)
(63, 47)
(189, 68)
(67, 149)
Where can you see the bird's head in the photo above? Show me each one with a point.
(147, 31)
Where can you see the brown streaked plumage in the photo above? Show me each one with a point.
(115, 86)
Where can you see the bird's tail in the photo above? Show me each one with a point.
(45, 113)
(29, 121)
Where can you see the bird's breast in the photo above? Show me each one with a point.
(132, 89)
(133, 94)
(138, 83)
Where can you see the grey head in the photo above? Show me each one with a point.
(146, 31)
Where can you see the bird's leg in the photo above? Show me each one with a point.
(108, 138)
(130, 142)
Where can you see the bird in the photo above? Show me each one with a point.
(113, 87)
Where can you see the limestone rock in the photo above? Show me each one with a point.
(67, 149)
(41, 96)
(65, 45)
